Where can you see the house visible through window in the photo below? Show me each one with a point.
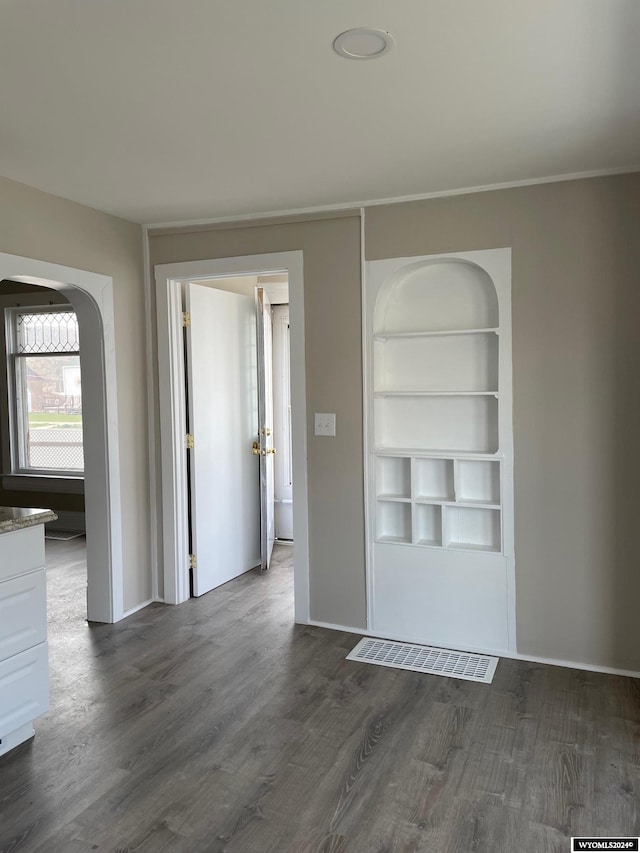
(44, 365)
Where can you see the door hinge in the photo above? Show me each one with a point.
(193, 562)
(186, 318)
(189, 441)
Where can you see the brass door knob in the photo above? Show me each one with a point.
(255, 448)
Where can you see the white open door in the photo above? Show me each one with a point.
(265, 410)
(223, 419)
(283, 469)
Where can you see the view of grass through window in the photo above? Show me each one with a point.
(48, 376)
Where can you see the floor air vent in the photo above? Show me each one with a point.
(425, 659)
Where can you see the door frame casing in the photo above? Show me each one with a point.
(174, 517)
(91, 295)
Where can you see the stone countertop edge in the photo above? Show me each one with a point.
(17, 518)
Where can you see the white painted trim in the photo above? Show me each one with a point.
(331, 208)
(138, 607)
(502, 258)
(173, 428)
(366, 423)
(587, 667)
(91, 295)
(169, 278)
(151, 409)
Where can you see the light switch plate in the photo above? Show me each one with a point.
(325, 423)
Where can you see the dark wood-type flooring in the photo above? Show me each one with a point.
(220, 726)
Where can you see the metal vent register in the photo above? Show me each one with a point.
(427, 659)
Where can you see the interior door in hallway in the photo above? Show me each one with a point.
(282, 424)
(265, 410)
(221, 358)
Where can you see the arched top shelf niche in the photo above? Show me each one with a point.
(436, 296)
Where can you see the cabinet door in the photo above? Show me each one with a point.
(22, 551)
(24, 688)
(23, 613)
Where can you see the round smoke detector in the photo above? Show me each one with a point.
(363, 43)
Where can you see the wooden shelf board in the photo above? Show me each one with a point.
(436, 394)
(448, 453)
(473, 546)
(427, 499)
(429, 543)
(394, 498)
(385, 336)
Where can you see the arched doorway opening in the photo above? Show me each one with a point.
(91, 296)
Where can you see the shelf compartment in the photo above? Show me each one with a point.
(473, 529)
(393, 521)
(393, 477)
(427, 525)
(469, 424)
(436, 297)
(433, 479)
(478, 482)
(437, 363)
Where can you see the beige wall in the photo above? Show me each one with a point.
(576, 306)
(334, 384)
(576, 351)
(576, 354)
(37, 225)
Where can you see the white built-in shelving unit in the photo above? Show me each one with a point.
(439, 461)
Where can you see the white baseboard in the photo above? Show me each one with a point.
(587, 667)
(363, 632)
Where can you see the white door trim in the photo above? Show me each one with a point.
(174, 515)
(91, 295)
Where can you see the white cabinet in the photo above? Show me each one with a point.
(440, 449)
(24, 680)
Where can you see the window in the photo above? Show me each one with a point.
(44, 379)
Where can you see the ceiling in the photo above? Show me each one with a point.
(167, 110)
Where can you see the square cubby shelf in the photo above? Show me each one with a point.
(433, 480)
(393, 477)
(428, 524)
(473, 529)
(478, 482)
(393, 521)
